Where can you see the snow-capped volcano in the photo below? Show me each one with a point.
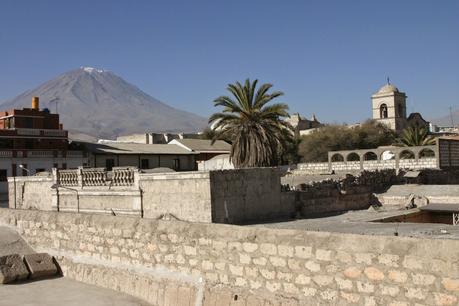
(99, 103)
(91, 69)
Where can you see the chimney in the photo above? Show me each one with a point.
(35, 103)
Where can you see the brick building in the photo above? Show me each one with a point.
(34, 138)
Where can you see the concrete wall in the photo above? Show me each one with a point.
(312, 168)
(179, 263)
(185, 196)
(30, 192)
(245, 195)
(234, 196)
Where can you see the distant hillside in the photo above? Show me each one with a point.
(446, 120)
(101, 104)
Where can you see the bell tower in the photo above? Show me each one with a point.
(389, 107)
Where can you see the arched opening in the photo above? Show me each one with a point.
(407, 154)
(370, 156)
(383, 111)
(426, 153)
(387, 155)
(337, 158)
(353, 157)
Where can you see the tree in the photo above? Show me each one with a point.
(414, 136)
(315, 146)
(210, 134)
(256, 130)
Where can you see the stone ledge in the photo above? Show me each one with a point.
(12, 268)
(40, 265)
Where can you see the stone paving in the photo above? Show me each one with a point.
(62, 292)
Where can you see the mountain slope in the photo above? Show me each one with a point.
(446, 120)
(101, 104)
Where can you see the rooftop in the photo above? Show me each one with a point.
(134, 148)
(203, 145)
(388, 88)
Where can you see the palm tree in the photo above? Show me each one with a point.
(256, 130)
(414, 136)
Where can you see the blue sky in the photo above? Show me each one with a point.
(327, 56)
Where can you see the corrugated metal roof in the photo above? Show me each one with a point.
(135, 148)
(205, 146)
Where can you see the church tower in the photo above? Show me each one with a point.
(389, 107)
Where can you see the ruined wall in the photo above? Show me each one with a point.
(353, 192)
(245, 195)
(178, 263)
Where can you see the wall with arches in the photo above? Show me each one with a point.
(390, 157)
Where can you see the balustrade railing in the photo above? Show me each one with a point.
(68, 177)
(123, 177)
(120, 176)
(6, 153)
(94, 177)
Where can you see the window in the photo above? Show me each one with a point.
(144, 164)
(38, 170)
(176, 164)
(109, 164)
(3, 175)
(383, 111)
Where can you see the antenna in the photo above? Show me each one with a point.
(388, 80)
(451, 116)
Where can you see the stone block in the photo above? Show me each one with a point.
(40, 265)
(12, 268)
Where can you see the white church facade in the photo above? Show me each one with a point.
(389, 107)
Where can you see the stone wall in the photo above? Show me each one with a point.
(178, 263)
